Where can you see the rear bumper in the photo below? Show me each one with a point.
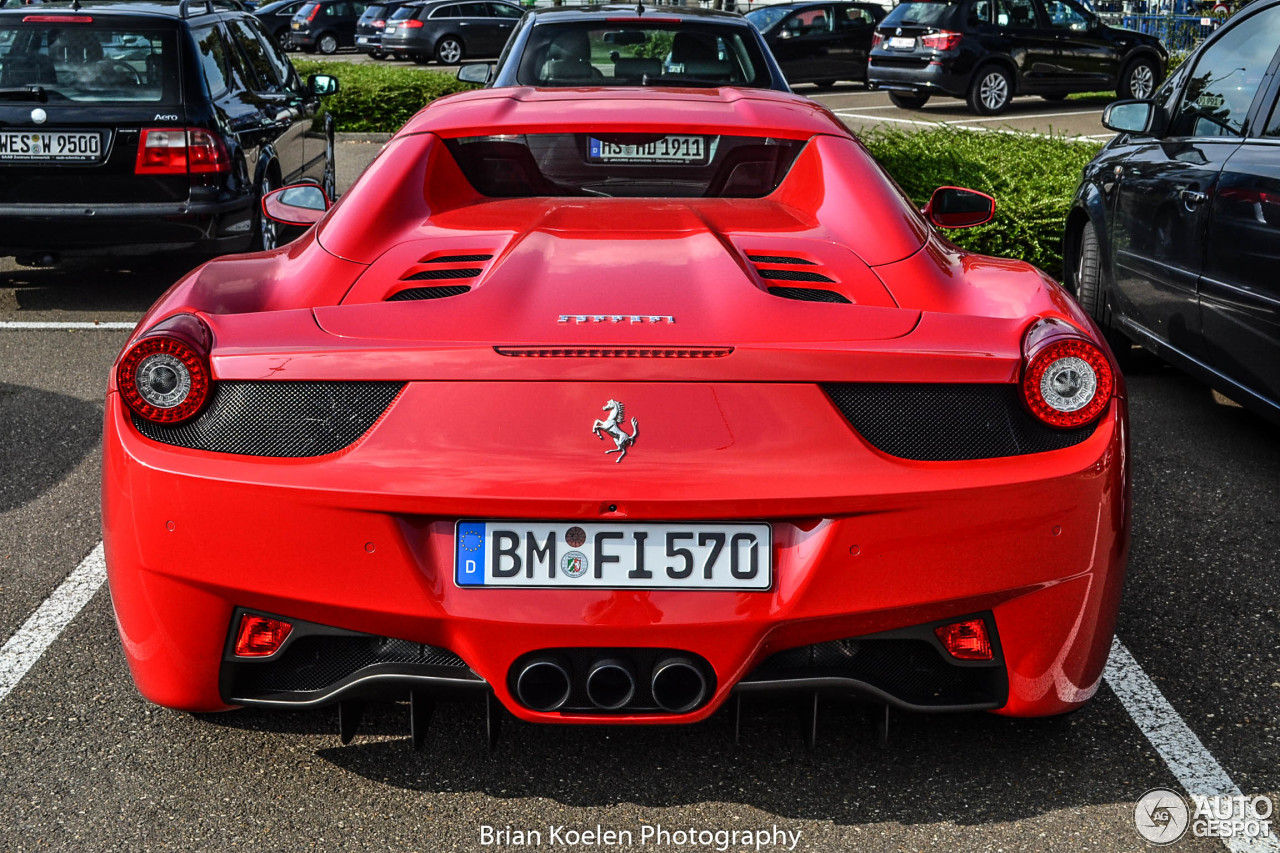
(918, 79)
(126, 229)
(363, 540)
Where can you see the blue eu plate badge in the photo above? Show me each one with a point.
(470, 556)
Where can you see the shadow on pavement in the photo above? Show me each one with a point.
(45, 436)
(93, 284)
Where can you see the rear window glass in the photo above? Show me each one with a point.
(674, 165)
(372, 13)
(402, 13)
(88, 62)
(642, 54)
(923, 14)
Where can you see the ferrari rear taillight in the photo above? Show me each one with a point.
(966, 640)
(1067, 383)
(260, 636)
(179, 150)
(944, 40)
(165, 376)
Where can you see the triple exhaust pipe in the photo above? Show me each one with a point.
(677, 684)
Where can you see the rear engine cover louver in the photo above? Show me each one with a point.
(765, 264)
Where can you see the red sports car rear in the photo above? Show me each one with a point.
(613, 406)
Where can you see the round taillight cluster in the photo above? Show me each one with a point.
(1068, 383)
(163, 379)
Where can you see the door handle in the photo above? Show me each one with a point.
(1191, 198)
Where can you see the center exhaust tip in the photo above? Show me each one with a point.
(611, 684)
(678, 685)
(543, 684)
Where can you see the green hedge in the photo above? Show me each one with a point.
(379, 98)
(1031, 177)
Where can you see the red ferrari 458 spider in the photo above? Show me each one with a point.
(614, 406)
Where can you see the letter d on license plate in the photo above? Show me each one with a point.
(613, 556)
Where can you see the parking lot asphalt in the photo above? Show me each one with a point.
(88, 765)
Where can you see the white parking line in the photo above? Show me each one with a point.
(1197, 770)
(31, 324)
(53, 615)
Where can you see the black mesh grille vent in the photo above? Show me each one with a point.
(280, 419)
(438, 275)
(808, 294)
(793, 275)
(909, 669)
(440, 292)
(947, 422)
(458, 259)
(778, 259)
(316, 662)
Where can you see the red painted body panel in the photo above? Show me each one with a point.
(863, 542)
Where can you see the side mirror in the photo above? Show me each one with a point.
(956, 207)
(475, 72)
(298, 204)
(1129, 116)
(322, 84)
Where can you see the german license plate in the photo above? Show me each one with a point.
(902, 43)
(668, 149)
(363, 39)
(579, 555)
(50, 145)
(389, 30)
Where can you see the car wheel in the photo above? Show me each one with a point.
(1138, 80)
(908, 102)
(327, 44)
(449, 50)
(285, 36)
(268, 231)
(990, 91)
(1090, 293)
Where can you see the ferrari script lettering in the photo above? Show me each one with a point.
(633, 319)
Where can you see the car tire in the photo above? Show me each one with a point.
(266, 235)
(1138, 80)
(449, 50)
(1091, 293)
(327, 44)
(285, 36)
(908, 102)
(990, 91)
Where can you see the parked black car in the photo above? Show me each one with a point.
(618, 44)
(1174, 233)
(130, 128)
(449, 31)
(277, 16)
(819, 42)
(987, 51)
(326, 25)
(371, 24)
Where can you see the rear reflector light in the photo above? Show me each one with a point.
(1068, 383)
(966, 640)
(260, 636)
(57, 19)
(611, 352)
(411, 24)
(315, 11)
(945, 40)
(179, 150)
(876, 40)
(165, 376)
(377, 25)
